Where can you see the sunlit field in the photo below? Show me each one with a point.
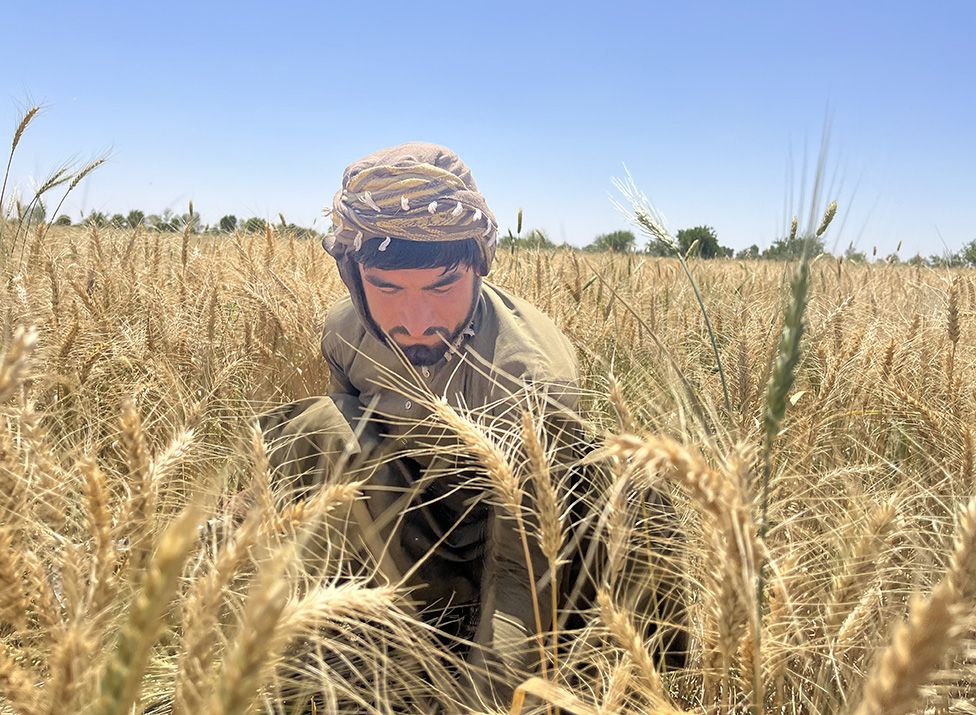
(134, 362)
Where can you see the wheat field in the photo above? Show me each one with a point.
(133, 364)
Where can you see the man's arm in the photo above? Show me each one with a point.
(339, 383)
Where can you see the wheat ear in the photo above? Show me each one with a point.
(550, 510)
(13, 598)
(259, 640)
(621, 628)
(916, 650)
(122, 675)
(103, 580)
(137, 519)
(13, 367)
(17, 684)
(200, 624)
(934, 625)
(508, 488)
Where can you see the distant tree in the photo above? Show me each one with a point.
(748, 253)
(228, 224)
(893, 258)
(135, 218)
(707, 242)
(118, 221)
(614, 242)
(255, 225)
(947, 260)
(38, 212)
(792, 247)
(536, 238)
(302, 232)
(188, 220)
(854, 256)
(916, 260)
(658, 248)
(968, 253)
(97, 218)
(62, 220)
(164, 221)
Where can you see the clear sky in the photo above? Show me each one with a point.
(255, 108)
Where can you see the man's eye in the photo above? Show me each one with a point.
(389, 291)
(440, 291)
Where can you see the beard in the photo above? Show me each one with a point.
(424, 355)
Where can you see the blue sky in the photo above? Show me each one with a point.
(252, 109)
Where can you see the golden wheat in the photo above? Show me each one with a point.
(869, 497)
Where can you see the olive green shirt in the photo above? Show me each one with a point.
(515, 352)
(514, 346)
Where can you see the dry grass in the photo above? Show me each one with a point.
(133, 364)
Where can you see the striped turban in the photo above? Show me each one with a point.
(414, 191)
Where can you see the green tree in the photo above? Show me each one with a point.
(38, 212)
(947, 260)
(188, 220)
(135, 218)
(968, 253)
(748, 253)
(62, 220)
(792, 247)
(658, 248)
(707, 242)
(97, 218)
(255, 225)
(614, 242)
(228, 224)
(162, 222)
(118, 221)
(537, 238)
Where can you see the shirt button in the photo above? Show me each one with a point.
(425, 372)
(408, 404)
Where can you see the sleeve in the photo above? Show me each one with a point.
(332, 349)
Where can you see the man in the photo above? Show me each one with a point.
(413, 240)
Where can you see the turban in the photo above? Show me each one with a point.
(415, 191)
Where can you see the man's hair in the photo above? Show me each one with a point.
(402, 253)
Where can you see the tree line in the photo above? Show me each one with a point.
(697, 242)
(168, 220)
(702, 242)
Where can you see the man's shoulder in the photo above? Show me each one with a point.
(342, 316)
(343, 328)
(528, 340)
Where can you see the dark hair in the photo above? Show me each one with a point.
(402, 253)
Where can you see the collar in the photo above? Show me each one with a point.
(475, 320)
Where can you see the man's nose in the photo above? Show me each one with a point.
(416, 318)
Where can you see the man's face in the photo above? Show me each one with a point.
(421, 309)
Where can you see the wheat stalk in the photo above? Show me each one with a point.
(103, 582)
